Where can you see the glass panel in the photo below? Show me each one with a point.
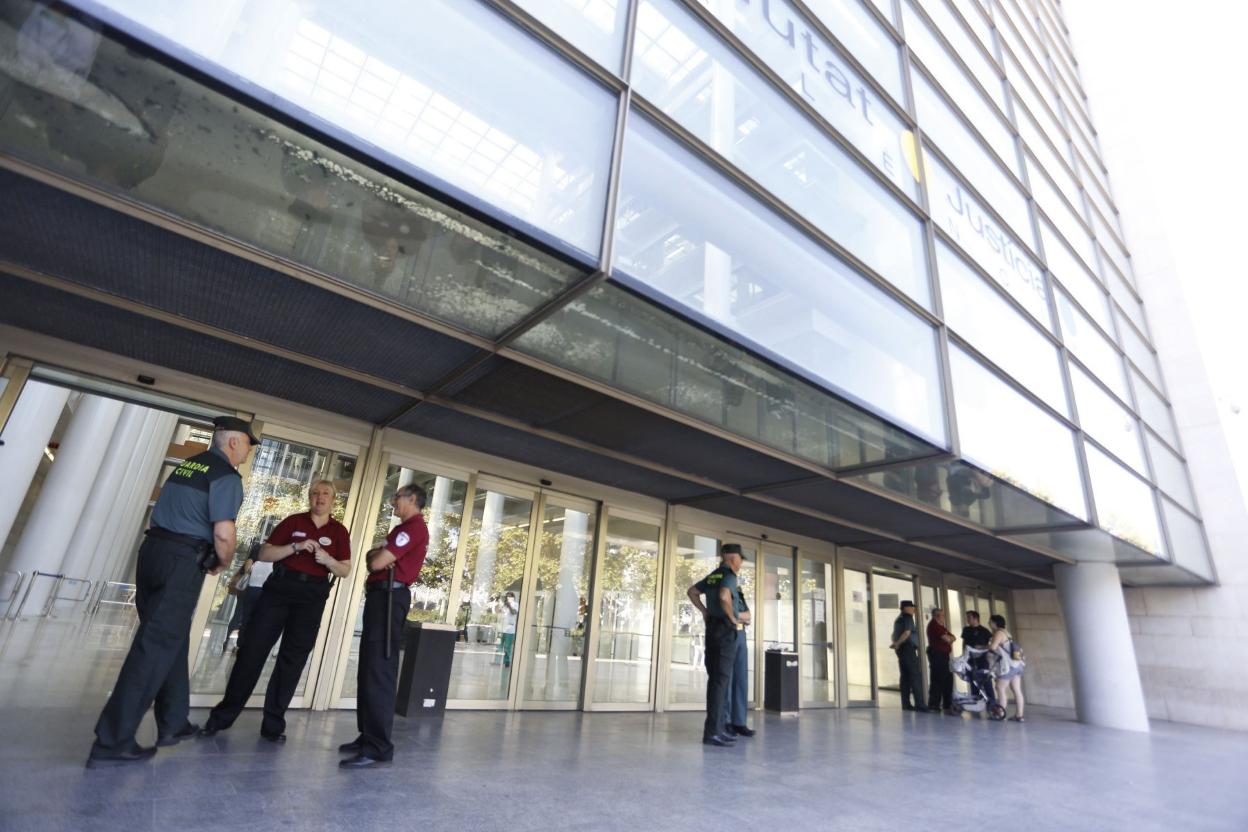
(929, 50)
(281, 473)
(614, 337)
(1097, 197)
(1044, 154)
(1012, 438)
(444, 512)
(1090, 345)
(971, 13)
(186, 150)
(1124, 503)
(968, 155)
(1169, 472)
(555, 645)
(1138, 350)
(748, 579)
(1064, 218)
(491, 596)
(817, 660)
(1025, 94)
(1154, 410)
(596, 27)
(778, 604)
(955, 621)
(1187, 543)
(626, 619)
(999, 608)
(857, 636)
(779, 35)
(1126, 299)
(698, 240)
(714, 94)
(994, 249)
(885, 8)
(524, 129)
(865, 39)
(1074, 276)
(1107, 421)
(696, 557)
(977, 313)
(889, 593)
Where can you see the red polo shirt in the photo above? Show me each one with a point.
(296, 528)
(407, 542)
(934, 640)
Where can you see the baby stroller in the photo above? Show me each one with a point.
(978, 674)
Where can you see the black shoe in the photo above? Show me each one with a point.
(923, 710)
(719, 740)
(742, 730)
(353, 747)
(907, 707)
(186, 733)
(207, 731)
(361, 761)
(136, 754)
(275, 738)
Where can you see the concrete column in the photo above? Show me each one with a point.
(116, 560)
(1102, 657)
(572, 562)
(487, 552)
(50, 527)
(25, 437)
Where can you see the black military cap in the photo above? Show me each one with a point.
(235, 423)
(731, 549)
(905, 604)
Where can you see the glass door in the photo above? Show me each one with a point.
(889, 589)
(282, 470)
(816, 627)
(776, 620)
(695, 555)
(859, 630)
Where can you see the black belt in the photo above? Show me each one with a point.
(205, 551)
(380, 585)
(296, 575)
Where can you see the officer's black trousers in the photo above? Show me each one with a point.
(940, 680)
(911, 676)
(167, 584)
(288, 609)
(377, 686)
(721, 654)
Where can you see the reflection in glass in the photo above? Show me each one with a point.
(865, 39)
(817, 611)
(977, 313)
(718, 97)
(1127, 300)
(1154, 410)
(490, 597)
(161, 139)
(695, 238)
(1124, 503)
(1074, 276)
(1169, 472)
(963, 46)
(696, 556)
(444, 511)
(1063, 217)
(1187, 540)
(777, 606)
(888, 593)
(857, 636)
(1090, 345)
(627, 617)
(1107, 421)
(281, 473)
(1141, 354)
(525, 130)
(1013, 439)
(596, 27)
(612, 336)
(794, 49)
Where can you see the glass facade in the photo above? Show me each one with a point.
(768, 252)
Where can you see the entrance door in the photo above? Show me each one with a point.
(889, 590)
(817, 631)
(859, 635)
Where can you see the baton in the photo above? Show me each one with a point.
(389, 607)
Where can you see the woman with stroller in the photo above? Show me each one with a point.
(1002, 647)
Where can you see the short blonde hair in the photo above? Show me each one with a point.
(330, 483)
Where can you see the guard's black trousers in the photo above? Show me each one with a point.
(377, 682)
(288, 609)
(911, 676)
(940, 680)
(721, 654)
(167, 583)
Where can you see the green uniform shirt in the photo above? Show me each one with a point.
(710, 587)
(204, 489)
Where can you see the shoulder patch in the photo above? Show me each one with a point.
(403, 539)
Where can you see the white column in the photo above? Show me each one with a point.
(50, 527)
(115, 560)
(487, 552)
(1102, 657)
(572, 563)
(26, 435)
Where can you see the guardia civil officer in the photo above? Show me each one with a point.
(738, 694)
(722, 626)
(192, 532)
(306, 549)
(906, 644)
(378, 673)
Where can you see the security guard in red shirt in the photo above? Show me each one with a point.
(306, 550)
(378, 673)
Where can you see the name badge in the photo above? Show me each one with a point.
(325, 541)
(298, 534)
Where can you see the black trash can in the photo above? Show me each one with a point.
(425, 675)
(780, 682)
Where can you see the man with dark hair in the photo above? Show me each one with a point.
(392, 568)
(974, 634)
(737, 704)
(905, 644)
(192, 532)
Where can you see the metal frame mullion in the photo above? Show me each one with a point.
(521, 663)
(962, 66)
(838, 46)
(17, 371)
(538, 29)
(590, 650)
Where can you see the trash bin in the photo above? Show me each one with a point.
(425, 676)
(780, 689)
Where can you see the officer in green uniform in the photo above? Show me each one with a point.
(738, 697)
(192, 532)
(722, 626)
